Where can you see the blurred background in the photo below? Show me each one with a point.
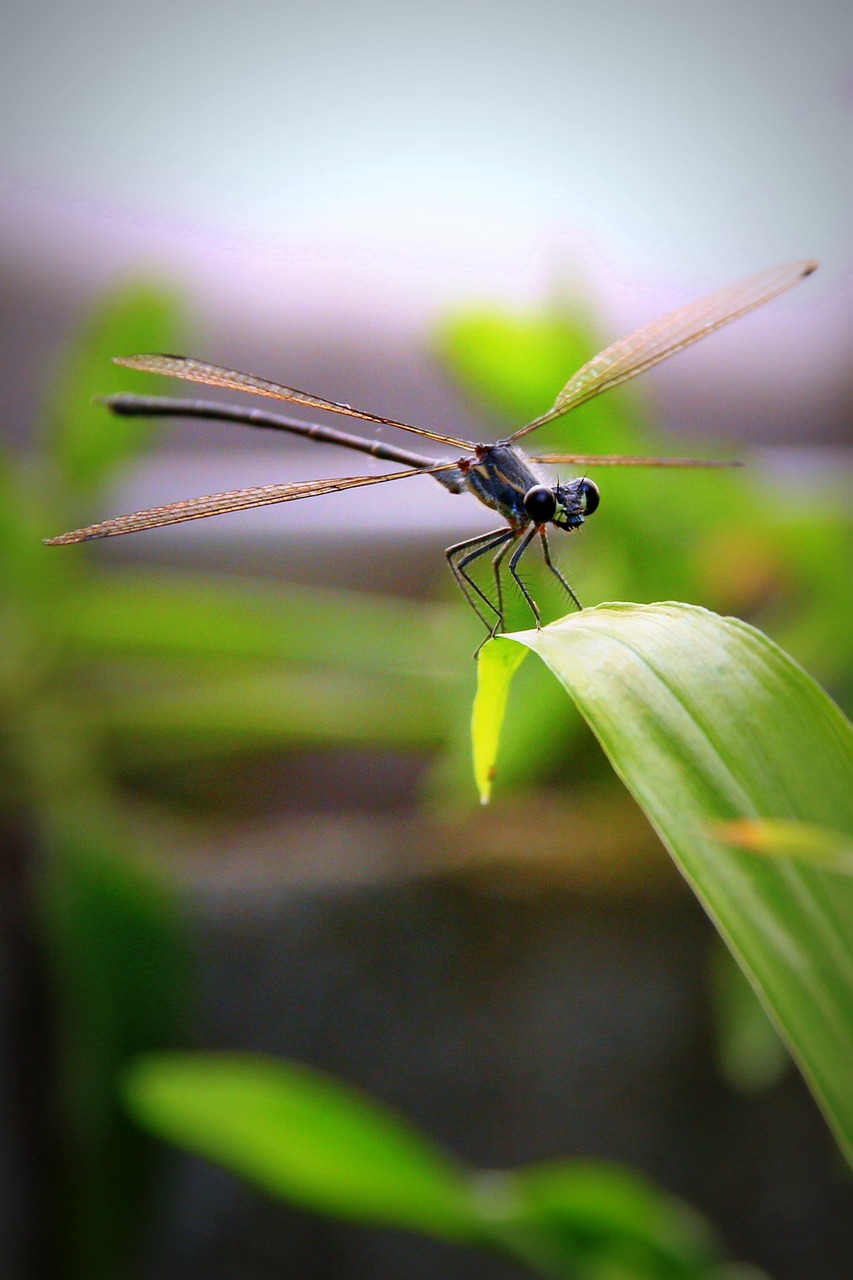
(238, 804)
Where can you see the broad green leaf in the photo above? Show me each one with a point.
(305, 1137)
(540, 747)
(707, 721)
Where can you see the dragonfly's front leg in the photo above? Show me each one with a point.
(546, 551)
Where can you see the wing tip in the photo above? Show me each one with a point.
(67, 539)
(138, 360)
(810, 266)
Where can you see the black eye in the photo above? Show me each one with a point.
(590, 497)
(540, 504)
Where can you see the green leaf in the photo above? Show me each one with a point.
(88, 440)
(302, 1136)
(594, 1219)
(707, 721)
(515, 364)
(305, 1137)
(496, 666)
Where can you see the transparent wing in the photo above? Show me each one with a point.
(214, 375)
(662, 338)
(217, 504)
(618, 460)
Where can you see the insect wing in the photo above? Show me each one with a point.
(217, 504)
(667, 335)
(214, 375)
(620, 460)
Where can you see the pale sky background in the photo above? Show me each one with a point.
(366, 165)
(685, 140)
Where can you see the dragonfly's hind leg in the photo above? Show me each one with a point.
(496, 570)
(469, 550)
(513, 568)
(546, 551)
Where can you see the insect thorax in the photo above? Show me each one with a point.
(500, 476)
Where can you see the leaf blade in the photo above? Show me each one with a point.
(301, 1135)
(707, 721)
(497, 664)
(87, 441)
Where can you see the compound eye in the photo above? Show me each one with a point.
(590, 497)
(540, 504)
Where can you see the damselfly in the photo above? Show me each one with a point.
(500, 475)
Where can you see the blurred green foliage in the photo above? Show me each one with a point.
(750, 1055)
(105, 671)
(304, 1137)
(111, 977)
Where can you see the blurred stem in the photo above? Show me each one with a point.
(31, 1034)
(57, 778)
(96, 945)
(45, 767)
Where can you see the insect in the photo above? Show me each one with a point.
(500, 475)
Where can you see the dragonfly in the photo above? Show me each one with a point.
(501, 475)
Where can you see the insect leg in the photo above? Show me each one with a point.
(493, 540)
(469, 550)
(513, 568)
(546, 551)
(496, 569)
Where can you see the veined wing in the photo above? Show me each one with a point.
(217, 504)
(620, 460)
(214, 375)
(663, 337)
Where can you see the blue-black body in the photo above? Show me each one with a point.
(502, 477)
